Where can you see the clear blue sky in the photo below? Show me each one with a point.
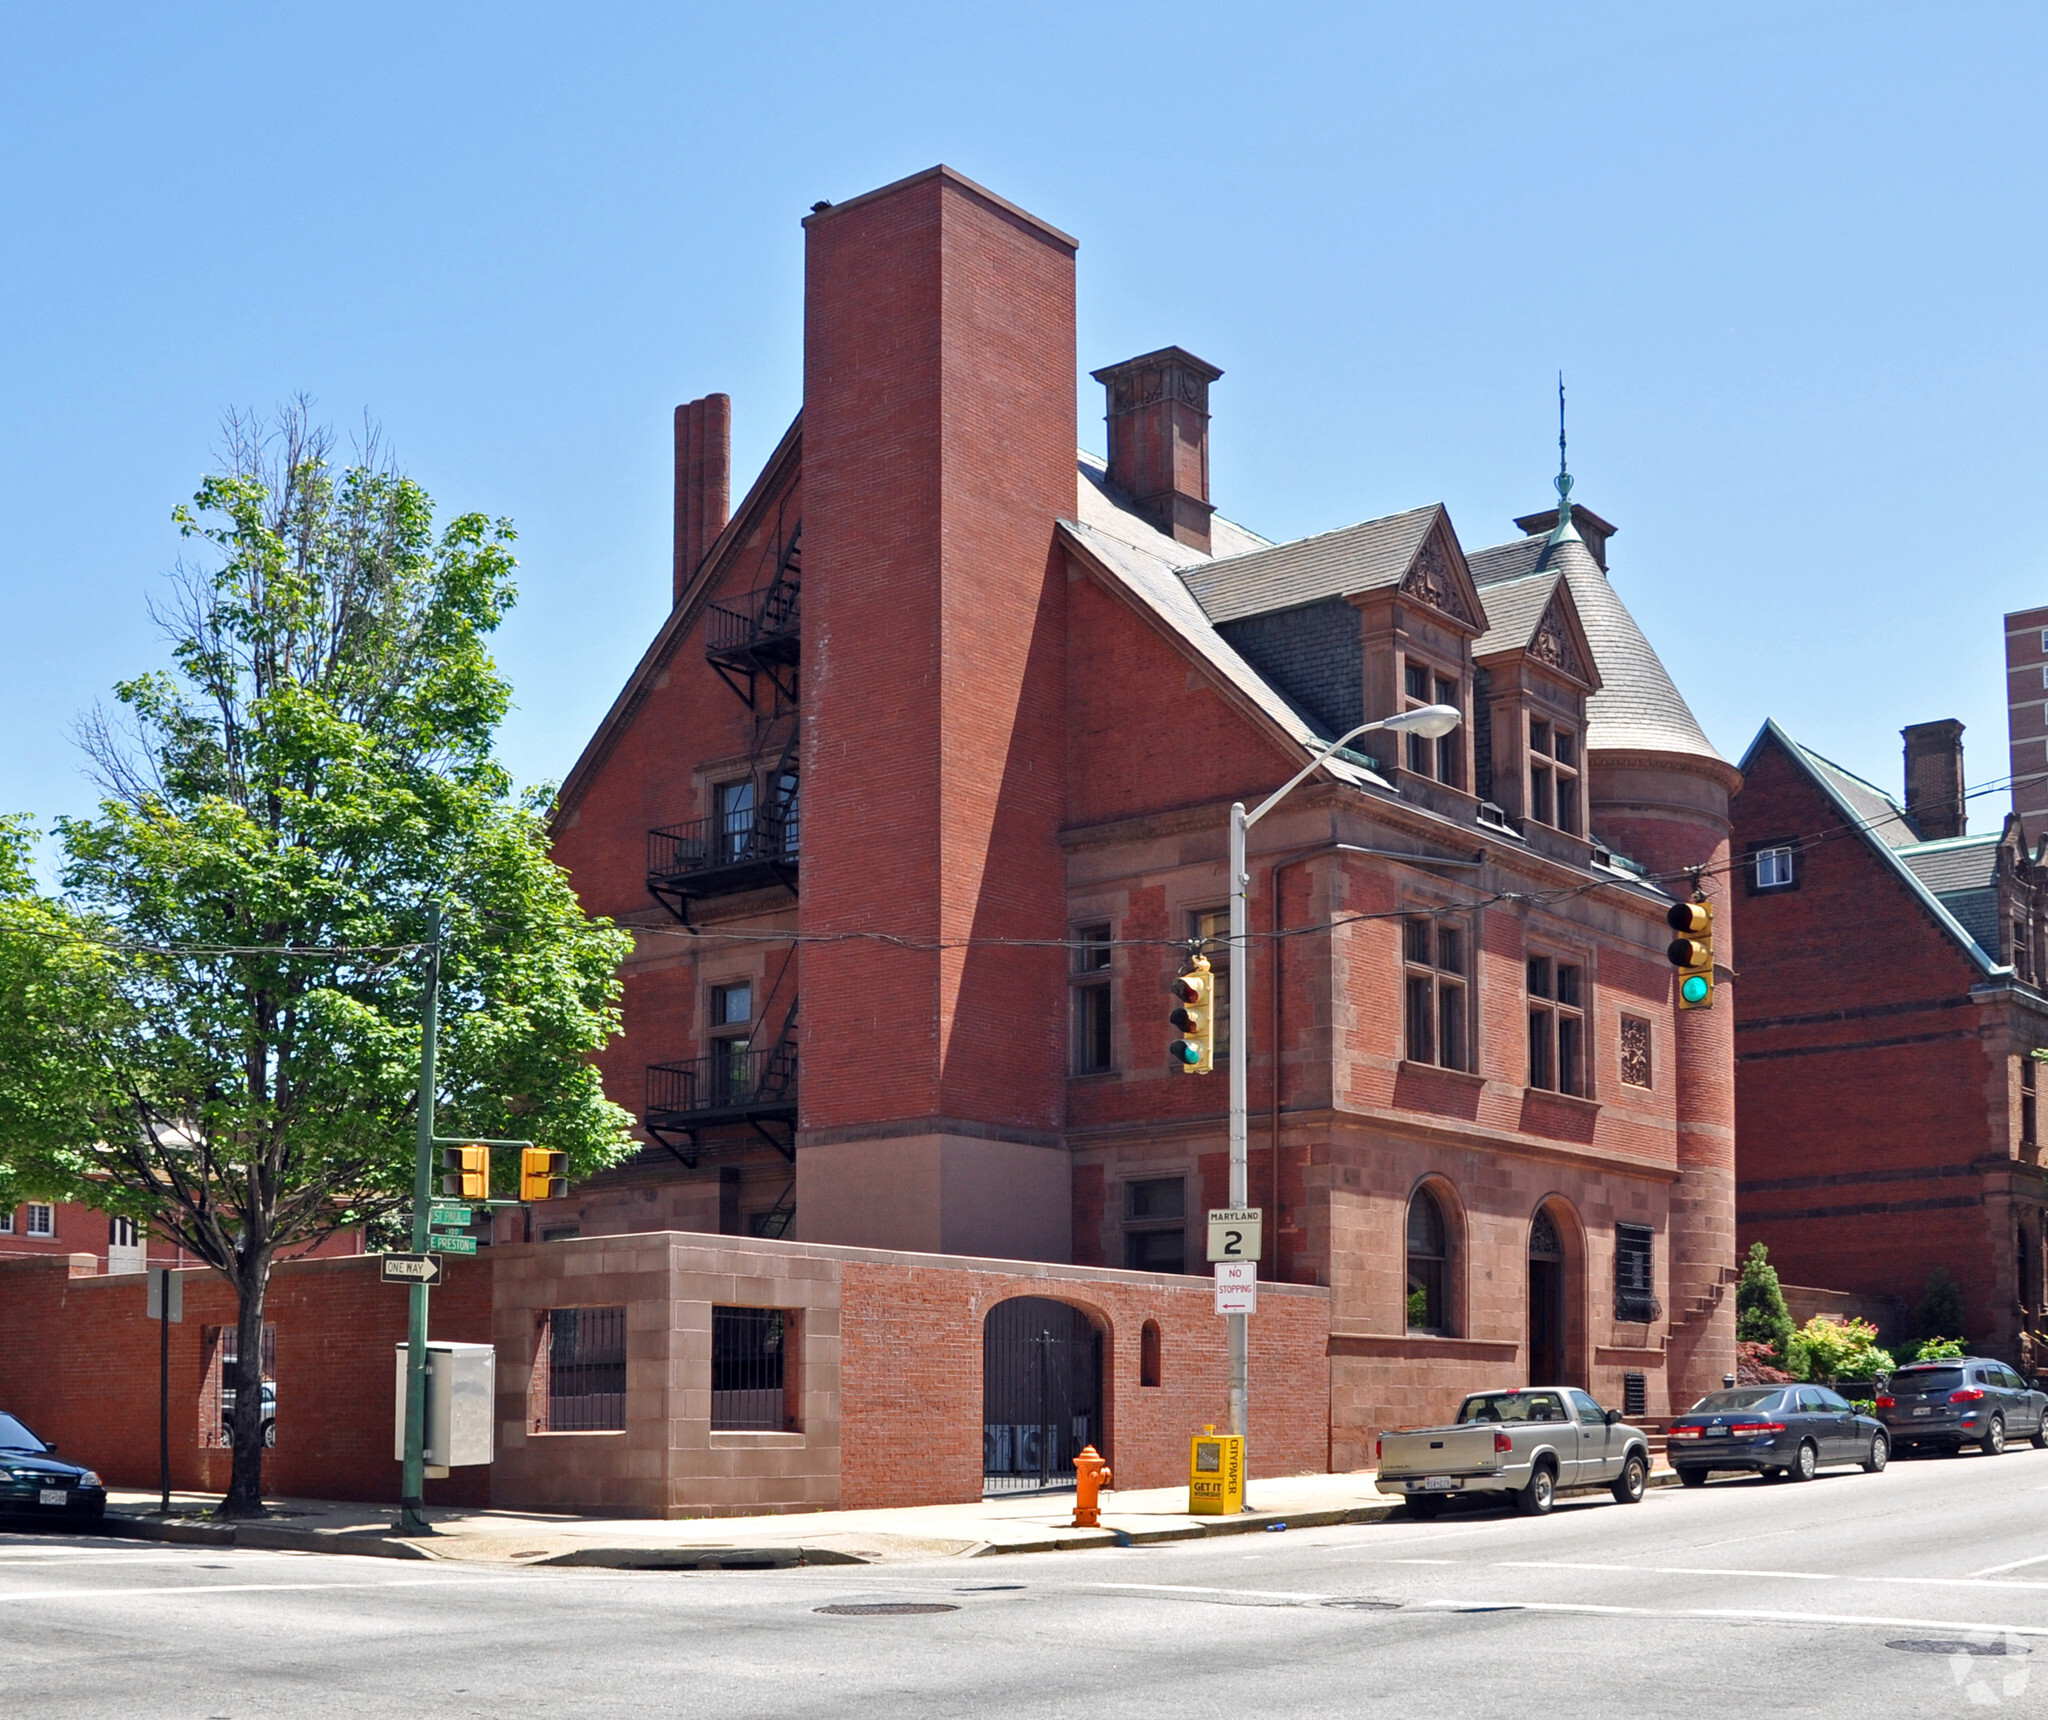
(1791, 259)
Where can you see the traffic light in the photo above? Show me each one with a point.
(1194, 1052)
(466, 1172)
(543, 1175)
(1692, 953)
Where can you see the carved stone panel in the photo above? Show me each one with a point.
(1553, 644)
(1431, 581)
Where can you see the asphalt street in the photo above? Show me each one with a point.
(1920, 1591)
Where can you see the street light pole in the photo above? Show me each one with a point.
(1430, 721)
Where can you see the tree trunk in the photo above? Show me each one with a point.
(245, 1480)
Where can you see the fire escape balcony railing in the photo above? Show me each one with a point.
(764, 624)
(722, 855)
(732, 1085)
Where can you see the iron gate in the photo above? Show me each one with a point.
(1041, 1394)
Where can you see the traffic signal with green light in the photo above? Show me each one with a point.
(466, 1172)
(1194, 990)
(1692, 953)
(543, 1175)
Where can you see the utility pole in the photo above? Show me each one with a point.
(413, 1487)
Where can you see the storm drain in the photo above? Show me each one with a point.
(885, 1609)
(1946, 1645)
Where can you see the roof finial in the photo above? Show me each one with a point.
(1564, 528)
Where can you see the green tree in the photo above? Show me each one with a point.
(1827, 1350)
(280, 807)
(1761, 1316)
(1940, 1313)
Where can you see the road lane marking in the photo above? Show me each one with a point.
(1740, 1615)
(2017, 1564)
(1191, 1589)
(122, 1594)
(1969, 1582)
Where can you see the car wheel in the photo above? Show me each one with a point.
(1634, 1477)
(1994, 1437)
(1692, 1478)
(2038, 1439)
(1806, 1462)
(270, 1436)
(1880, 1454)
(1536, 1499)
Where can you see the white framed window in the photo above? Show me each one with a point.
(7, 1222)
(2044, 647)
(42, 1219)
(1773, 868)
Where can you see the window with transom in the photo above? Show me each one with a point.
(1094, 1025)
(1428, 1265)
(1557, 1025)
(1438, 998)
(1443, 757)
(1554, 775)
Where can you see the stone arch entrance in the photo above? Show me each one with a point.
(1041, 1394)
(1546, 1301)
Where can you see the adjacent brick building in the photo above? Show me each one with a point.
(918, 799)
(1889, 1002)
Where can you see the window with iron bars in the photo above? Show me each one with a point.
(582, 1369)
(752, 1378)
(1634, 1298)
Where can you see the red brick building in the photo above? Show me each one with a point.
(37, 1228)
(1889, 998)
(918, 799)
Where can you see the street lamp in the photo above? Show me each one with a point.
(1430, 721)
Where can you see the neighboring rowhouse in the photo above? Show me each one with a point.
(1889, 997)
(918, 799)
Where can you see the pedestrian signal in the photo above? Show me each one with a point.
(1692, 953)
(543, 1175)
(1194, 990)
(466, 1172)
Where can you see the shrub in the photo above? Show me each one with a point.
(1825, 1349)
(1760, 1313)
(1939, 1349)
(1756, 1365)
(1941, 1309)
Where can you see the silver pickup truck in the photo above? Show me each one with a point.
(1528, 1444)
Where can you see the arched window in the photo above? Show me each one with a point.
(1148, 1354)
(1543, 1241)
(1429, 1308)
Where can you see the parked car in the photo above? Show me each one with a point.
(1525, 1445)
(1775, 1431)
(36, 1482)
(1968, 1401)
(227, 1414)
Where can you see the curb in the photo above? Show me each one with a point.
(271, 1537)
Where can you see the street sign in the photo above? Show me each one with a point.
(452, 1244)
(1237, 1286)
(159, 1276)
(410, 1269)
(1234, 1232)
(449, 1217)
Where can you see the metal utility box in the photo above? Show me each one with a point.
(462, 1385)
(1215, 1475)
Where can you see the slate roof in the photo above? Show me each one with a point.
(1505, 561)
(1363, 557)
(1101, 507)
(1513, 608)
(1969, 913)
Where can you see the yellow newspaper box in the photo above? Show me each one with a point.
(1215, 1475)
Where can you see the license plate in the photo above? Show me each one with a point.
(1437, 1484)
(1923, 1411)
(55, 1496)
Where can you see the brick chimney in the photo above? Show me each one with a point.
(1159, 439)
(1934, 779)
(703, 481)
(1592, 529)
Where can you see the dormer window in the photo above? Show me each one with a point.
(1440, 759)
(1554, 776)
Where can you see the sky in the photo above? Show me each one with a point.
(1789, 259)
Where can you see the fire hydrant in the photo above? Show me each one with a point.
(1091, 1475)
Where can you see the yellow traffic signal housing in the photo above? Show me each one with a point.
(466, 1172)
(543, 1175)
(1194, 1052)
(1692, 953)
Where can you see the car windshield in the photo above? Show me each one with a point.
(1915, 1382)
(15, 1437)
(1512, 1406)
(1715, 1403)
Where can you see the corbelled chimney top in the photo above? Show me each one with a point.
(703, 482)
(1934, 779)
(1592, 529)
(1159, 439)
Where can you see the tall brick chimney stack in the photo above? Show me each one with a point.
(1159, 439)
(703, 481)
(1934, 779)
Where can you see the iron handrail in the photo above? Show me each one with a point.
(724, 839)
(772, 612)
(725, 1080)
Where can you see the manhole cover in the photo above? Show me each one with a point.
(1946, 1645)
(1361, 1604)
(876, 1609)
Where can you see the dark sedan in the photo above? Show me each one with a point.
(1968, 1401)
(1774, 1431)
(36, 1482)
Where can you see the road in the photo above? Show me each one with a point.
(1846, 1595)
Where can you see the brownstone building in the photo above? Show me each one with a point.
(1889, 1001)
(919, 798)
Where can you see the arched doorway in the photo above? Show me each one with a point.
(1546, 1301)
(1041, 1394)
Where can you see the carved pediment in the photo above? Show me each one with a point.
(1430, 580)
(1553, 644)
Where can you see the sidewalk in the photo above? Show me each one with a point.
(1038, 1523)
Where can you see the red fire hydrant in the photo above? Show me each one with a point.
(1091, 1475)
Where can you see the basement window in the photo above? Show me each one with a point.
(580, 1364)
(751, 1379)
